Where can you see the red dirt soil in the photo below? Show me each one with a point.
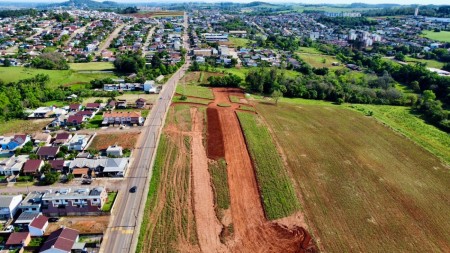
(252, 231)
(215, 148)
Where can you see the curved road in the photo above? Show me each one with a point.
(123, 230)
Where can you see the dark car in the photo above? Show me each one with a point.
(53, 219)
(86, 181)
(133, 189)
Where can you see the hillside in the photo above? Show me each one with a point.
(85, 4)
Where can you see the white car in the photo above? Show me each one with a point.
(9, 228)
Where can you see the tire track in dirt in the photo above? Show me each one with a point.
(253, 232)
(208, 226)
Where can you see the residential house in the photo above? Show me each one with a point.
(39, 138)
(108, 167)
(92, 107)
(4, 141)
(122, 118)
(32, 167)
(16, 142)
(57, 165)
(60, 241)
(38, 226)
(73, 202)
(42, 112)
(148, 85)
(78, 142)
(116, 151)
(88, 114)
(12, 165)
(32, 202)
(122, 104)
(18, 240)
(62, 138)
(74, 107)
(141, 103)
(26, 218)
(9, 204)
(47, 153)
(75, 120)
(111, 105)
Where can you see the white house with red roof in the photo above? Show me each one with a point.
(38, 226)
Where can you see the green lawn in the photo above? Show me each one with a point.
(309, 50)
(402, 120)
(277, 191)
(195, 91)
(247, 108)
(57, 77)
(319, 60)
(191, 100)
(109, 203)
(240, 42)
(95, 122)
(234, 99)
(242, 72)
(219, 179)
(91, 66)
(443, 36)
(430, 63)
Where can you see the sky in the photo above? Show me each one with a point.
(422, 2)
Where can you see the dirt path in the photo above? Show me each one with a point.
(253, 232)
(208, 226)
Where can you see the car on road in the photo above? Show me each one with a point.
(133, 189)
(53, 219)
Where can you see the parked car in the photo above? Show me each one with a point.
(86, 181)
(53, 219)
(133, 189)
(9, 228)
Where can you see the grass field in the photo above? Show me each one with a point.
(57, 77)
(23, 126)
(430, 63)
(190, 100)
(309, 50)
(443, 36)
(319, 60)
(91, 66)
(109, 203)
(364, 188)
(95, 122)
(240, 42)
(195, 91)
(234, 99)
(402, 120)
(276, 188)
(168, 222)
(247, 108)
(103, 141)
(130, 97)
(219, 179)
(242, 72)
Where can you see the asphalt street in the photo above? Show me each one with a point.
(123, 231)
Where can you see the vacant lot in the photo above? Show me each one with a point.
(319, 60)
(364, 188)
(57, 77)
(239, 42)
(91, 66)
(84, 224)
(23, 126)
(103, 141)
(130, 97)
(195, 91)
(169, 224)
(443, 36)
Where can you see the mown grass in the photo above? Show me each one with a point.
(109, 203)
(91, 66)
(219, 178)
(95, 122)
(247, 108)
(363, 186)
(320, 60)
(190, 100)
(195, 91)
(443, 36)
(242, 72)
(401, 119)
(234, 99)
(57, 77)
(240, 42)
(277, 192)
(430, 63)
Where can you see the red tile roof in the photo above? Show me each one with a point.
(48, 151)
(57, 164)
(74, 106)
(39, 222)
(84, 113)
(92, 105)
(77, 119)
(62, 239)
(62, 136)
(17, 238)
(31, 166)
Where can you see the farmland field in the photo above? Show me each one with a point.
(103, 141)
(169, 224)
(57, 77)
(443, 36)
(364, 188)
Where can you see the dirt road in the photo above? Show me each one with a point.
(208, 226)
(108, 40)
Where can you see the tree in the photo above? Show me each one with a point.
(400, 56)
(276, 95)
(7, 62)
(50, 178)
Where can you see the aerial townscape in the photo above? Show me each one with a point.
(185, 126)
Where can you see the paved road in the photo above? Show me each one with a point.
(79, 30)
(147, 41)
(108, 40)
(123, 231)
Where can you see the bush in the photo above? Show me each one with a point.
(50, 61)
